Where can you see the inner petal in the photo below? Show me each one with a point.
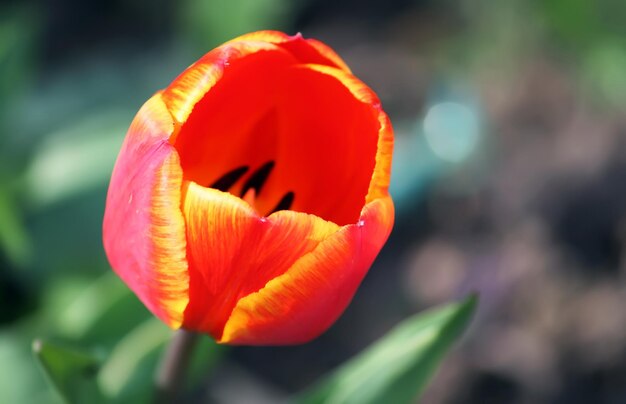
(326, 150)
(300, 134)
(233, 125)
(233, 253)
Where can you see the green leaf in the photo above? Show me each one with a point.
(101, 313)
(130, 366)
(19, 25)
(14, 239)
(71, 371)
(396, 368)
(75, 159)
(20, 380)
(209, 23)
(206, 355)
(127, 376)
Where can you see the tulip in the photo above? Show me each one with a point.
(250, 197)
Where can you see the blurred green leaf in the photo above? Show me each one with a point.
(20, 380)
(582, 24)
(575, 21)
(19, 26)
(101, 312)
(128, 373)
(104, 313)
(14, 239)
(71, 371)
(210, 23)
(603, 68)
(496, 36)
(77, 158)
(396, 368)
(206, 355)
(128, 370)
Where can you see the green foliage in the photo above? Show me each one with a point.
(131, 364)
(76, 159)
(397, 367)
(70, 370)
(18, 31)
(209, 23)
(14, 239)
(107, 316)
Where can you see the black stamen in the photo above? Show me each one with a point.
(229, 179)
(285, 203)
(258, 178)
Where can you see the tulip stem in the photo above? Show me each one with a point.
(171, 371)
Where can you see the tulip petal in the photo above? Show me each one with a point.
(384, 150)
(306, 50)
(182, 95)
(233, 125)
(280, 122)
(334, 152)
(303, 302)
(144, 229)
(232, 251)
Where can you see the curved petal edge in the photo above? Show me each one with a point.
(143, 228)
(307, 299)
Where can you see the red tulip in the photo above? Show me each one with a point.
(249, 198)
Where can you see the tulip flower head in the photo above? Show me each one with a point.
(250, 197)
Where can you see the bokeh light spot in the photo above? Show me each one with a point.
(452, 131)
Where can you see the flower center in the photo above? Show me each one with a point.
(252, 186)
(294, 136)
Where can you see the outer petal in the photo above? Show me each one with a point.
(144, 230)
(307, 50)
(303, 302)
(190, 86)
(234, 252)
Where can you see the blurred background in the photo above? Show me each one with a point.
(509, 179)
